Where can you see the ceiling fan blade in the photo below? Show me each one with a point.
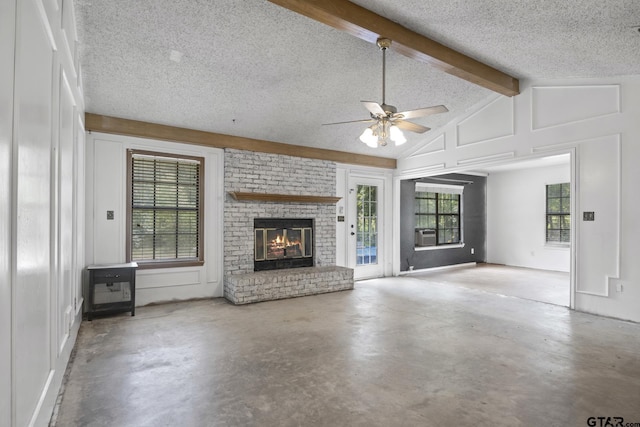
(413, 127)
(374, 108)
(421, 112)
(351, 121)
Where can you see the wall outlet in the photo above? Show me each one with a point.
(109, 215)
(618, 287)
(473, 251)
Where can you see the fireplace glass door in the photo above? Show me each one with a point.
(282, 243)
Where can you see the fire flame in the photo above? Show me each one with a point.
(281, 242)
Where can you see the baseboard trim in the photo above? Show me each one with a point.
(444, 267)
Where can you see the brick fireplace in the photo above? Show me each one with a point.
(251, 172)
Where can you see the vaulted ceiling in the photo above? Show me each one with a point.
(254, 69)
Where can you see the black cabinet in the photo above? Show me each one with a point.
(119, 279)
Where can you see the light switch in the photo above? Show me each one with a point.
(109, 215)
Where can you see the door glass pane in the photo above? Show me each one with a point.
(367, 227)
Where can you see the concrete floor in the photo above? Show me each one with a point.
(552, 287)
(392, 352)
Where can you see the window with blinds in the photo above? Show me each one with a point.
(165, 197)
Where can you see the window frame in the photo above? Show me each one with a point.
(165, 263)
(560, 214)
(437, 216)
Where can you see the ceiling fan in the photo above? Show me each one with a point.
(387, 122)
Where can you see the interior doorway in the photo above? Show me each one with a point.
(527, 249)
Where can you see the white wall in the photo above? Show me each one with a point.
(516, 220)
(41, 116)
(597, 120)
(105, 239)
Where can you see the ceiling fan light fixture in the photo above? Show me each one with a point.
(396, 135)
(383, 131)
(388, 122)
(369, 137)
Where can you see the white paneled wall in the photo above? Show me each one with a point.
(596, 120)
(41, 117)
(105, 239)
(599, 192)
(7, 45)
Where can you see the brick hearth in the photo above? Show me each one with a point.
(294, 282)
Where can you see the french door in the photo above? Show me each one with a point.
(365, 227)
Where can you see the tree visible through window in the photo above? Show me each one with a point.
(367, 231)
(165, 218)
(439, 212)
(559, 213)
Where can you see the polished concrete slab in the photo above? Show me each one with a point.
(392, 352)
(552, 287)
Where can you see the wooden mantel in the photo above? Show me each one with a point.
(287, 198)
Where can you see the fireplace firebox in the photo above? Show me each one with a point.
(282, 243)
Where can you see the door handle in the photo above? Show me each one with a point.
(353, 234)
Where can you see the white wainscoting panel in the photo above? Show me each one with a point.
(560, 105)
(65, 159)
(32, 278)
(599, 192)
(70, 35)
(495, 120)
(7, 56)
(159, 279)
(435, 146)
(486, 159)
(108, 194)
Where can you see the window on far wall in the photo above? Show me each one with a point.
(165, 209)
(559, 213)
(440, 212)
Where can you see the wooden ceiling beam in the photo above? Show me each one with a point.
(115, 125)
(367, 25)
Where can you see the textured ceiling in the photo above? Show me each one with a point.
(253, 69)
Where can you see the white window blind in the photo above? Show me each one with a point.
(165, 208)
(439, 188)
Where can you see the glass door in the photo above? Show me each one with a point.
(365, 227)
